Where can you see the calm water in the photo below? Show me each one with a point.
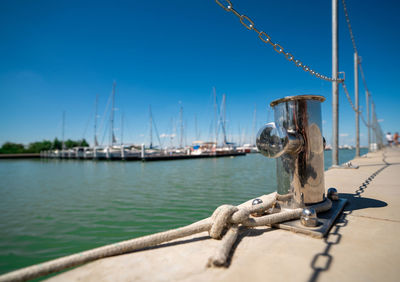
(54, 208)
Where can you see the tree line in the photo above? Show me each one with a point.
(37, 147)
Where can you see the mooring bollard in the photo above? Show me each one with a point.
(295, 139)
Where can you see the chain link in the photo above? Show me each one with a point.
(249, 24)
(349, 26)
(353, 41)
(363, 79)
(352, 105)
(349, 98)
(363, 120)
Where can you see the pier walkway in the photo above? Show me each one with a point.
(363, 245)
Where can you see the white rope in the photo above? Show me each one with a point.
(224, 217)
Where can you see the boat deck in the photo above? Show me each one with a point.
(363, 245)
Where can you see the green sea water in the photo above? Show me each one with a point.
(53, 208)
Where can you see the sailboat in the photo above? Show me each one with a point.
(107, 152)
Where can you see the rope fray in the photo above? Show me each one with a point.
(225, 218)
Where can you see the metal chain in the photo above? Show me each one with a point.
(352, 105)
(363, 120)
(353, 41)
(349, 26)
(349, 98)
(355, 48)
(363, 79)
(249, 24)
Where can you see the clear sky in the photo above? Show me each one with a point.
(56, 56)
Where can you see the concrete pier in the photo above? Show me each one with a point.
(20, 156)
(363, 245)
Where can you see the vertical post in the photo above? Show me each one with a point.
(368, 119)
(122, 136)
(63, 130)
(142, 151)
(112, 137)
(253, 133)
(357, 104)
(375, 137)
(95, 143)
(151, 128)
(335, 96)
(181, 125)
(122, 128)
(108, 155)
(223, 114)
(195, 127)
(215, 116)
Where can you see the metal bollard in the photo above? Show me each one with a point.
(295, 139)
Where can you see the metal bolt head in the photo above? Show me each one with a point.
(309, 217)
(256, 202)
(333, 194)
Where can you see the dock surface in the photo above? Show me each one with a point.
(20, 156)
(363, 245)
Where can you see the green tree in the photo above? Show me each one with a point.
(57, 145)
(70, 144)
(84, 143)
(12, 148)
(37, 147)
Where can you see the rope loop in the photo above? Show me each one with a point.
(220, 220)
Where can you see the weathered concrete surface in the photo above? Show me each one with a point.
(364, 245)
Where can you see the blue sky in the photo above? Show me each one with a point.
(57, 55)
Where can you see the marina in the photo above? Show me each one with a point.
(68, 206)
(179, 182)
(362, 246)
(127, 155)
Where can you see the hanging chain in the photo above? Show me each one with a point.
(249, 24)
(349, 26)
(353, 41)
(363, 79)
(363, 120)
(354, 45)
(352, 105)
(349, 98)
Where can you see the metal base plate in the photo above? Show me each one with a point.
(325, 221)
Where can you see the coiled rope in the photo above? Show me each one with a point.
(225, 217)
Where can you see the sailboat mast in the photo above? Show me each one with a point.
(224, 117)
(112, 137)
(215, 117)
(240, 136)
(63, 129)
(253, 134)
(181, 122)
(122, 128)
(171, 132)
(195, 128)
(95, 120)
(151, 127)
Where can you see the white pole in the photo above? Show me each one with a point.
(142, 153)
(357, 104)
(335, 96)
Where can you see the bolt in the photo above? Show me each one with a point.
(256, 202)
(333, 194)
(309, 217)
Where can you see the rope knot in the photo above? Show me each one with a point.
(221, 219)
